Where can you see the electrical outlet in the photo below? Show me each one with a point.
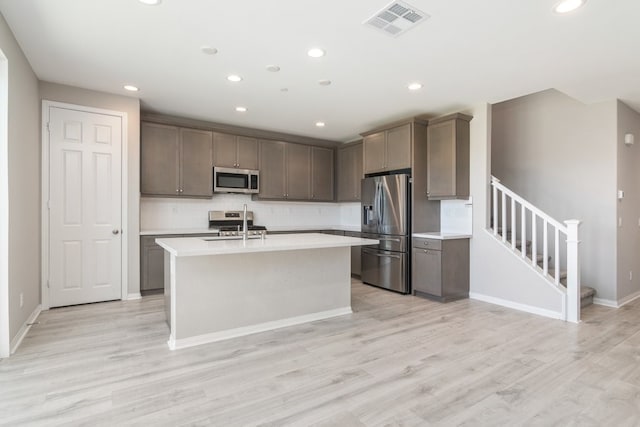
(21, 299)
(630, 275)
(620, 222)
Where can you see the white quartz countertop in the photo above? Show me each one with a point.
(168, 232)
(442, 235)
(311, 227)
(197, 246)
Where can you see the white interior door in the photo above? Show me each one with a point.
(85, 208)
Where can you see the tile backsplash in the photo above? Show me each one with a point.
(168, 213)
(456, 216)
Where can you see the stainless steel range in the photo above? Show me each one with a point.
(230, 224)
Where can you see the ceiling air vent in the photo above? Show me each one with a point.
(396, 18)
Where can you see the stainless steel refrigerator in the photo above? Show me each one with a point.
(386, 217)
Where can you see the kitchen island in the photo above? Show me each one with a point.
(219, 289)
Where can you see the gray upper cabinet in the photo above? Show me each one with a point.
(448, 157)
(349, 173)
(322, 174)
(298, 176)
(247, 152)
(175, 161)
(398, 148)
(295, 172)
(232, 151)
(159, 160)
(272, 170)
(196, 172)
(374, 151)
(388, 150)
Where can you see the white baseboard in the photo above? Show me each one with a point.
(606, 302)
(626, 300)
(134, 296)
(517, 306)
(17, 340)
(617, 304)
(175, 344)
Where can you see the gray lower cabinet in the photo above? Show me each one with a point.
(175, 161)
(356, 254)
(440, 268)
(151, 264)
(152, 261)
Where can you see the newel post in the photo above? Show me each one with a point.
(573, 271)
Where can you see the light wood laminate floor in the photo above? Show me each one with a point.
(398, 360)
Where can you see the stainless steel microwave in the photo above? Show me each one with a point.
(230, 180)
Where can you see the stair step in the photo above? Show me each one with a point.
(586, 296)
(540, 258)
(563, 275)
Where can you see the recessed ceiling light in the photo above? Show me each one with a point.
(208, 50)
(415, 86)
(315, 52)
(320, 124)
(241, 109)
(566, 6)
(284, 89)
(273, 68)
(234, 78)
(131, 88)
(150, 2)
(325, 82)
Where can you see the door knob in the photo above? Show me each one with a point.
(116, 231)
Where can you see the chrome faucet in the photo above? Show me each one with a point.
(245, 230)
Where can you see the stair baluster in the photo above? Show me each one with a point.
(504, 198)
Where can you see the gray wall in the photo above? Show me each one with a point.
(131, 106)
(560, 154)
(24, 183)
(628, 247)
(496, 275)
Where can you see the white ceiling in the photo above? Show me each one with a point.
(469, 51)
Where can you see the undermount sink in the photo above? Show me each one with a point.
(211, 239)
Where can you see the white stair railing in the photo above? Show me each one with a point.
(505, 205)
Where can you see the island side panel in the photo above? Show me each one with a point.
(216, 296)
(167, 286)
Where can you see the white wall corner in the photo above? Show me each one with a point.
(629, 298)
(17, 340)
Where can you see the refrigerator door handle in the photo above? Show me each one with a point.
(380, 205)
(379, 255)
